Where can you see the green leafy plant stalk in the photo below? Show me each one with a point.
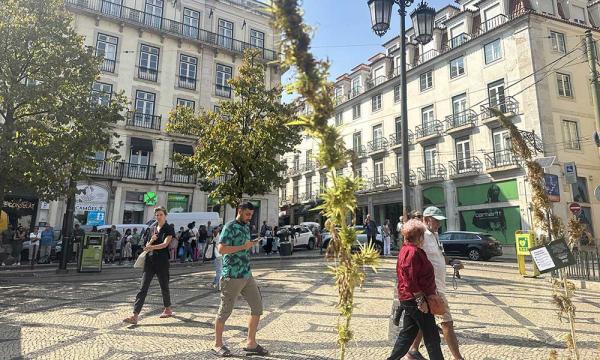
(339, 201)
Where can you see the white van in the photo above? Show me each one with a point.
(123, 227)
(183, 219)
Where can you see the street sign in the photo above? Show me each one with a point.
(575, 208)
(523, 241)
(95, 218)
(546, 161)
(553, 256)
(570, 173)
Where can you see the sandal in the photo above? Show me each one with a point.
(166, 314)
(223, 351)
(131, 320)
(258, 350)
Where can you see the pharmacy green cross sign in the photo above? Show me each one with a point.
(150, 198)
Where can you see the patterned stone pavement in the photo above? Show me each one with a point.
(498, 315)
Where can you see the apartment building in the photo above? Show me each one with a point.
(523, 57)
(162, 53)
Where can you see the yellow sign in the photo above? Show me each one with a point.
(524, 241)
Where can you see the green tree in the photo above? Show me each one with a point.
(240, 145)
(50, 126)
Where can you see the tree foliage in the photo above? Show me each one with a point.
(237, 149)
(49, 127)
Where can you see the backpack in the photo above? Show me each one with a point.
(185, 237)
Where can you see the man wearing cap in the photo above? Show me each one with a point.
(435, 253)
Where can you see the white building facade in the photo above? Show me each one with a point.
(523, 57)
(162, 53)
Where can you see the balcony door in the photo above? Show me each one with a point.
(225, 31)
(430, 161)
(191, 23)
(138, 163)
(463, 155)
(154, 13)
(496, 95)
(144, 109)
(377, 137)
(378, 175)
(111, 7)
(502, 147)
(459, 106)
(427, 120)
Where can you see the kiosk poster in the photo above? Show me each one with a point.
(91, 253)
(553, 256)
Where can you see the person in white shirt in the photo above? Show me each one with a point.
(435, 253)
(399, 231)
(34, 244)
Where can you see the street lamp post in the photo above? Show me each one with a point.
(423, 18)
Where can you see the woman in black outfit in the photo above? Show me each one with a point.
(157, 263)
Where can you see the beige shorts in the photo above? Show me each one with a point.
(231, 289)
(446, 317)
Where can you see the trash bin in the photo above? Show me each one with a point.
(285, 248)
(91, 253)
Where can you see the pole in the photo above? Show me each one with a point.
(67, 228)
(405, 163)
(591, 53)
(570, 312)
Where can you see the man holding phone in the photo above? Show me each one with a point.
(236, 279)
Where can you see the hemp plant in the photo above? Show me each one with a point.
(544, 220)
(339, 201)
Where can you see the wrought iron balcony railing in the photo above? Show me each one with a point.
(377, 144)
(491, 24)
(466, 117)
(506, 104)
(140, 172)
(142, 19)
(502, 158)
(431, 173)
(396, 139)
(176, 175)
(468, 166)
(106, 169)
(457, 41)
(145, 121)
(433, 127)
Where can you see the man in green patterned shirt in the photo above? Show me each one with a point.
(236, 279)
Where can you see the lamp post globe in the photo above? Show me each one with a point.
(381, 13)
(423, 20)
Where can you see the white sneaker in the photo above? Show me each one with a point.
(19, 263)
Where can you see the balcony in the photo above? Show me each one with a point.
(309, 166)
(426, 56)
(360, 151)
(460, 121)
(429, 174)
(294, 171)
(355, 91)
(147, 21)
(507, 105)
(178, 176)
(186, 82)
(376, 183)
(428, 131)
(144, 121)
(375, 82)
(466, 167)
(108, 65)
(502, 160)
(457, 41)
(223, 91)
(492, 23)
(106, 169)
(396, 179)
(396, 140)
(377, 146)
(139, 172)
(147, 74)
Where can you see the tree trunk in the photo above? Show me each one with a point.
(67, 229)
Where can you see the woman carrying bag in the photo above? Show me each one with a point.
(156, 254)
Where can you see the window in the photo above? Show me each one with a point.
(378, 76)
(223, 75)
(154, 13)
(398, 125)
(399, 166)
(376, 102)
(459, 107)
(139, 158)
(502, 147)
(492, 51)
(397, 94)
(111, 7)
(578, 14)
(148, 69)
(439, 23)
(430, 156)
(357, 142)
(571, 134)
(580, 190)
(457, 67)
(378, 174)
(216, 109)
(308, 183)
(295, 190)
(463, 155)
(564, 85)
(106, 46)
(187, 71)
(338, 93)
(257, 38)
(558, 42)
(225, 33)
(496, 95)
(546, 7)
(309, 157)
(377, 137)
(187, 103)
(356, 111)
(323, 181)
(144, 109)
(338, 119)
(426, 80)
(427, 116)
(101, 93)
(356, 86)
(283, 192)
(191, 23)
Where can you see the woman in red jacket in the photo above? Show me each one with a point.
(416, 281)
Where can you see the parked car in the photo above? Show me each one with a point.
(361, 239)
(311, 225)
(304, 236)
(474, 245)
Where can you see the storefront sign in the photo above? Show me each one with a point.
(523, 242)
(501, 223)
(552, 188)
(488, 193)
(177, 203)
(553, 256)
(91, 198)
(570, 173)
(150, 198)
(19, 204)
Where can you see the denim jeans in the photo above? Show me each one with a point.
(413, 321)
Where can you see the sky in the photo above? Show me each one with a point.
(343, 31)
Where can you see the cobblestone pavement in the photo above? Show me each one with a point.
(498, 315)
